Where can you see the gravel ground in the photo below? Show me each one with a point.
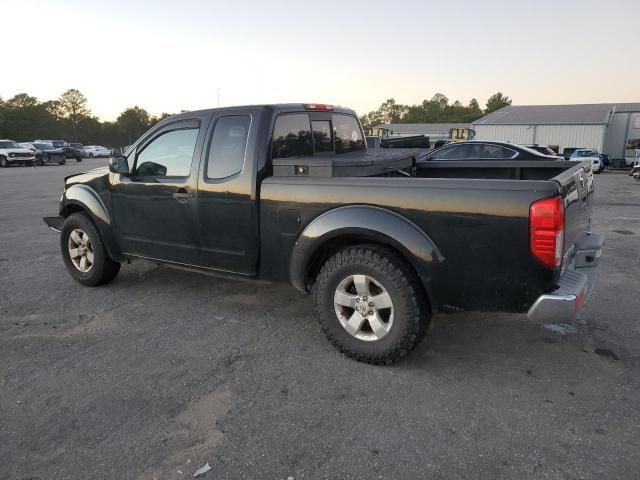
(163, 371)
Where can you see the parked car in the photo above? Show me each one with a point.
(567, 152)
(589, 155)
(13, 153)
(290, 193)
(74, 150)
(545, 150)
(46, 153)
(487, 150)
(55, 143)
(96, 151)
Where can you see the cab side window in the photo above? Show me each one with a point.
(228, 146)
(168, 155)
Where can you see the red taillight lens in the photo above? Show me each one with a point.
(317, 106)
(546, 225)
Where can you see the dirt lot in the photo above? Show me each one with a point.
(162, 371)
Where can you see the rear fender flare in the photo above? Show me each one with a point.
(373, 224)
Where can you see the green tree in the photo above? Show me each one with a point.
(73, 106)
(391, 111)
(496, 102)
(132, 123)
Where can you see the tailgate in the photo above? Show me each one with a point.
(576, 187)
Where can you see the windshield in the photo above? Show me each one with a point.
(9, 145)
(584, 153)
(43, 146)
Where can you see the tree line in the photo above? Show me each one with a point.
(25, 118)
(436, 110)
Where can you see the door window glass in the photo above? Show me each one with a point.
(454, 152)
(291, 136)
(482, 151)
(169, 155)
(228, 146)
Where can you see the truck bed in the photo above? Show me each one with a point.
(477, 213)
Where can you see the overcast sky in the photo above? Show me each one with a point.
(170, 55)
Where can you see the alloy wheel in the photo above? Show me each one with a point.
(364, 307)
(81, 250)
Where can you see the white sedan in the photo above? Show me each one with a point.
(96, 151)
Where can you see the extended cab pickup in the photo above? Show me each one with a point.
(382, 241)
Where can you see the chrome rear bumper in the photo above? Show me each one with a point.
(574, 286)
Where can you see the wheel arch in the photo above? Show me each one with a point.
(83, 199)
(359, 224)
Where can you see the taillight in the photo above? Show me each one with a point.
(317, 106)
(546, 225)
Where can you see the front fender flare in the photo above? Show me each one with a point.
(87, 199)
(373, 224)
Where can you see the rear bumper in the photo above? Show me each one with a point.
(574, 286)
(54, 223)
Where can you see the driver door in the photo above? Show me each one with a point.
(155, 206)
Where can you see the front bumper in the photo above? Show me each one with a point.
(574, 286)
(54, 223)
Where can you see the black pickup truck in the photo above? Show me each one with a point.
(289, 193)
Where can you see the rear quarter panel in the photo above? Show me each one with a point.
(481, 227)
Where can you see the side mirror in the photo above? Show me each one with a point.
(119, 164)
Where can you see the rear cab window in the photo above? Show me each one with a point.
(299, 134)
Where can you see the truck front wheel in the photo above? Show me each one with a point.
(84, 254)
(370, 304)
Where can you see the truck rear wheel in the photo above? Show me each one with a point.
(370, 304)
(84, 254)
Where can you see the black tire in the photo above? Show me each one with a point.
(62, 162)
(29, 164)
(410, 306)
(90, 155)
(3, 162)
(78, 159)
(103, 269)
(41, 162)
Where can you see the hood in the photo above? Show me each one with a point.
(18, 150)
(86, 176)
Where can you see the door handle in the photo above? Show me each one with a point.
(182, 195)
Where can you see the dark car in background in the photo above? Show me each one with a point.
(74, 150)
(544, 149)
(487, 150)
(46, 153)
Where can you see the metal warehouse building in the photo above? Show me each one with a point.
(611, 128)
